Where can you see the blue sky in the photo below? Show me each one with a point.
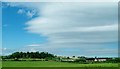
(61, 28)
(13, 29)
(14, 34)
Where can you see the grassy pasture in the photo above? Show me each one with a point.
(53, 64)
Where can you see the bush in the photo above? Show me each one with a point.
(81, 60)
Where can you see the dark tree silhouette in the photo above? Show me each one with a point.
(30, 55)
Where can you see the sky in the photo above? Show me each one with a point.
(61, 28)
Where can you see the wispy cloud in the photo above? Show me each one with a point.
(33, 45)
(3, 49)
(6, 51)
(74, 19)
(29, 13)
(21, 11)
(105, 51)
(75, 25)
(80, 25)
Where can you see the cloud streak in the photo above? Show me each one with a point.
(33, 45)
(29, 13)
(78, 25)
(75, 25)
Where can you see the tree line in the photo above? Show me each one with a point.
(40, 55)
(45, 56)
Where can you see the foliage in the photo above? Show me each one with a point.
(80, 60)
(45, 56)
(114, 60)
(18, 55)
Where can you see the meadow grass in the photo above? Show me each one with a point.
(53, 64)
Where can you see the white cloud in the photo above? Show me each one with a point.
(21, 11)
(29, 13)
(103, 51)
(6, 51)
(33, 45)
(74, 25)
(68, 19)
(3, 49)
(32, 50)
(78, 25)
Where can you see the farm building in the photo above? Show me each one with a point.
(102, 59)
(97, 59)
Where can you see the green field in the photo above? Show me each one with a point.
(53, 64)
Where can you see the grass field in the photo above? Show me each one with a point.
(52, 64)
